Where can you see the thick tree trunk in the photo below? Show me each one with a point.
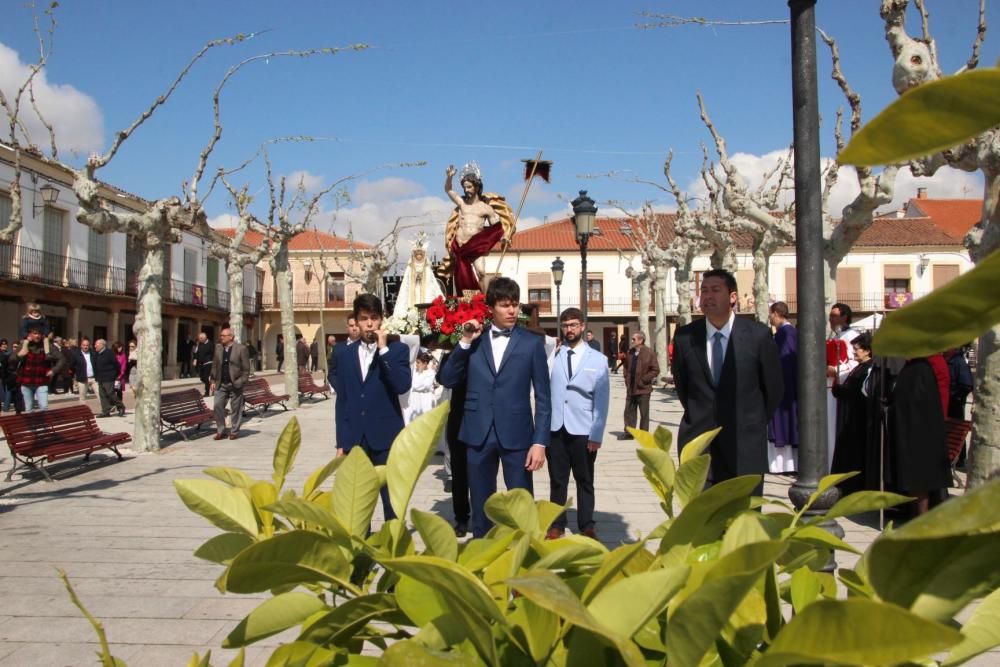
(283, 280)
(659, 341)
(148, 331)
(682, 281)
(643, 280)
(761, 293)
(235, 273)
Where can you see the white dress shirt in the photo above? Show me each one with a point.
(498, 343)
(90, 367)
(366, 352)
(710, 331)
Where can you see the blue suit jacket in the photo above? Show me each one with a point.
(500, 397)
(580, 403)
(370, 410)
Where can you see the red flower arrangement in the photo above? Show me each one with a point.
(446, 315)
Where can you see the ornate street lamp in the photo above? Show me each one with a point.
(557, 275)
(584, 214)
(49, 193)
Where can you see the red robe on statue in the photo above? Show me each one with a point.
(464, 255)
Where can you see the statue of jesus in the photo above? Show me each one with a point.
(479, 222)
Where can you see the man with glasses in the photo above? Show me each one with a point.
(640, 371)
(230, 370)
(580, 394)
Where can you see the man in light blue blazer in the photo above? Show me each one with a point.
(580, 394)
(500, 367)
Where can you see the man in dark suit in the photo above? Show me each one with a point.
(230, 371)
(727, 373)
(593, 342)
(202, 354)
(499, 369)
(107, 372)
(371, 376)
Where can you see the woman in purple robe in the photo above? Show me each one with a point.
(783, 429)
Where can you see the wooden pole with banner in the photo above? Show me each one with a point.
(532, 167)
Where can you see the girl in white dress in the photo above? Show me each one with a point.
(422, 389)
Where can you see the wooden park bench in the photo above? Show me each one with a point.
(308, 386)
(180, 410)
(49, 435)
(257, 394)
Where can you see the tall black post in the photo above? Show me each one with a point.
(558, 304)
(809, 264)
(584, 238)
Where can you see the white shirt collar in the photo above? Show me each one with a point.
(726, 330)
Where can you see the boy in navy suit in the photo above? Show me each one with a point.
(371, 375)
(499, 367)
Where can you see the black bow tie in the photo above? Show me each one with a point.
(501, 332)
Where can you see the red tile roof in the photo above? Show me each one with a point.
(560, 236)
(954, 216)
(310, 239)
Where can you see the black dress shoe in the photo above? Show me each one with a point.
(121, 411)
(461, 529)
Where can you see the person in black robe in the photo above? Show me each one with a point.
(854, 406)
(917, 455)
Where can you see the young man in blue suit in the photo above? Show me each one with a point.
(580, 394)
(371, 375)
(499, 367)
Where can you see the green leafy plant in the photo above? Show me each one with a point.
(718, 582)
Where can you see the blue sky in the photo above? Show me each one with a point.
(452, 82)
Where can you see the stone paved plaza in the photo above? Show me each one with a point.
(126, 540)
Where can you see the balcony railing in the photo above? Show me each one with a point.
(37, 266)
(300, 300)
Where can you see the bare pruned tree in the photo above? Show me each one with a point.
(757, 213)
(916, 62)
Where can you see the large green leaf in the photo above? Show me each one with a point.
(410, 453)
(864, 501)
(745, 529)
(451, 578)
(819, 537)
(550, 592)
(856, 632)
(691, 477)
(340, 625)
(981, 633)
(698, 620)
(231, 476)
(355, 492)
(320, 475)
(805, 588)
(513, 509)
(285, 451)
(411, 653)
(295, 557)
(223, 548)
(263, 494)
(573, 551)
(697, 446)
(610, 569)
(274, 615)
(547, 513)
(535, 629)
(314, 515)
(437, 534)
(700, 518)
(935, 564)
(301, 654)
(948, 317)
(659, 464)
(479, 553)
(663, 437)
(227, 507)
(928, 119)
(627, 605)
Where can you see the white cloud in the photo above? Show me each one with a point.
(306, 180)
(223, 220)
(386, 189)
(75, 116)
(946, 183)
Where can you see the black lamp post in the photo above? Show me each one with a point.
(584, 214)
(809, 260)
(557, 275)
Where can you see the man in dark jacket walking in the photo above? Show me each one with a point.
(202, 354)
(107, 372)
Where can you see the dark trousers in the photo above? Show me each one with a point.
(567, 452)
(227, 393)
(459, 479)
(205, 372)
(484, 462)
(640, 402)
(380, 457)
(109, 397)
(185, 368)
